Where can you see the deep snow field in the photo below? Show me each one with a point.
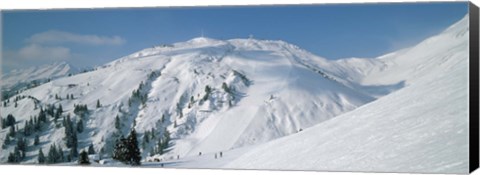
(265, 105)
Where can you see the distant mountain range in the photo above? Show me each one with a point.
(264, 104)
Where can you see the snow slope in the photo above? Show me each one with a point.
(259, 91)
(271, 105)
(421, 128)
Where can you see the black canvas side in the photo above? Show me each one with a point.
(474, 88)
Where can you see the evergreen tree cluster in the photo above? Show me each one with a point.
(54, 155)
(19, 151)
(80, 110)
(147, 136)
(71, 140)
(126, 149)
(18, 98)
(42, 116)
(162, 144)
(69, 97)
(9, 121)
(29, 127)
(15, 157)
(154, 75)
(58, 112)
(137, 95)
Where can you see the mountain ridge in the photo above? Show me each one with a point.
(245, 95)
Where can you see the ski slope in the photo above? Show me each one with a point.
(422, 128)
(259, 91)
(271, 105)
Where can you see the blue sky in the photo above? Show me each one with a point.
(94, 37)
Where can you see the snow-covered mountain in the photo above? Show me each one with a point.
(20, 79)
(266, 104)
(421, 128)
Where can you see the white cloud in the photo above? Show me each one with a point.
(45, 53)
(59, 37)
(34, 54)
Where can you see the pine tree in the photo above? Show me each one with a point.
(80, 126)
(15, 156)
(42, 116)
(73, 152)
(70, 133)
(146, 137)
(26, 129)
(22, 146)
(126, 149)
(152, 133)
(98, 104)
(134, 152)
(117, 122)
(60, 157)
(91, 150)
(41, 157)
(59, 110)
(3, 123)
(225, 87)
(52, 155)
(159, 147)
(36, 141)
(71, 96)
(10, 120)
(16, 104)
(4, 145)
(11, 158)
(83, 159)
(120, 149)
(207, 92)
(38, 124)
(7, 140)
(12, 131)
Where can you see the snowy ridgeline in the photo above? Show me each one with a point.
(247, 103)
